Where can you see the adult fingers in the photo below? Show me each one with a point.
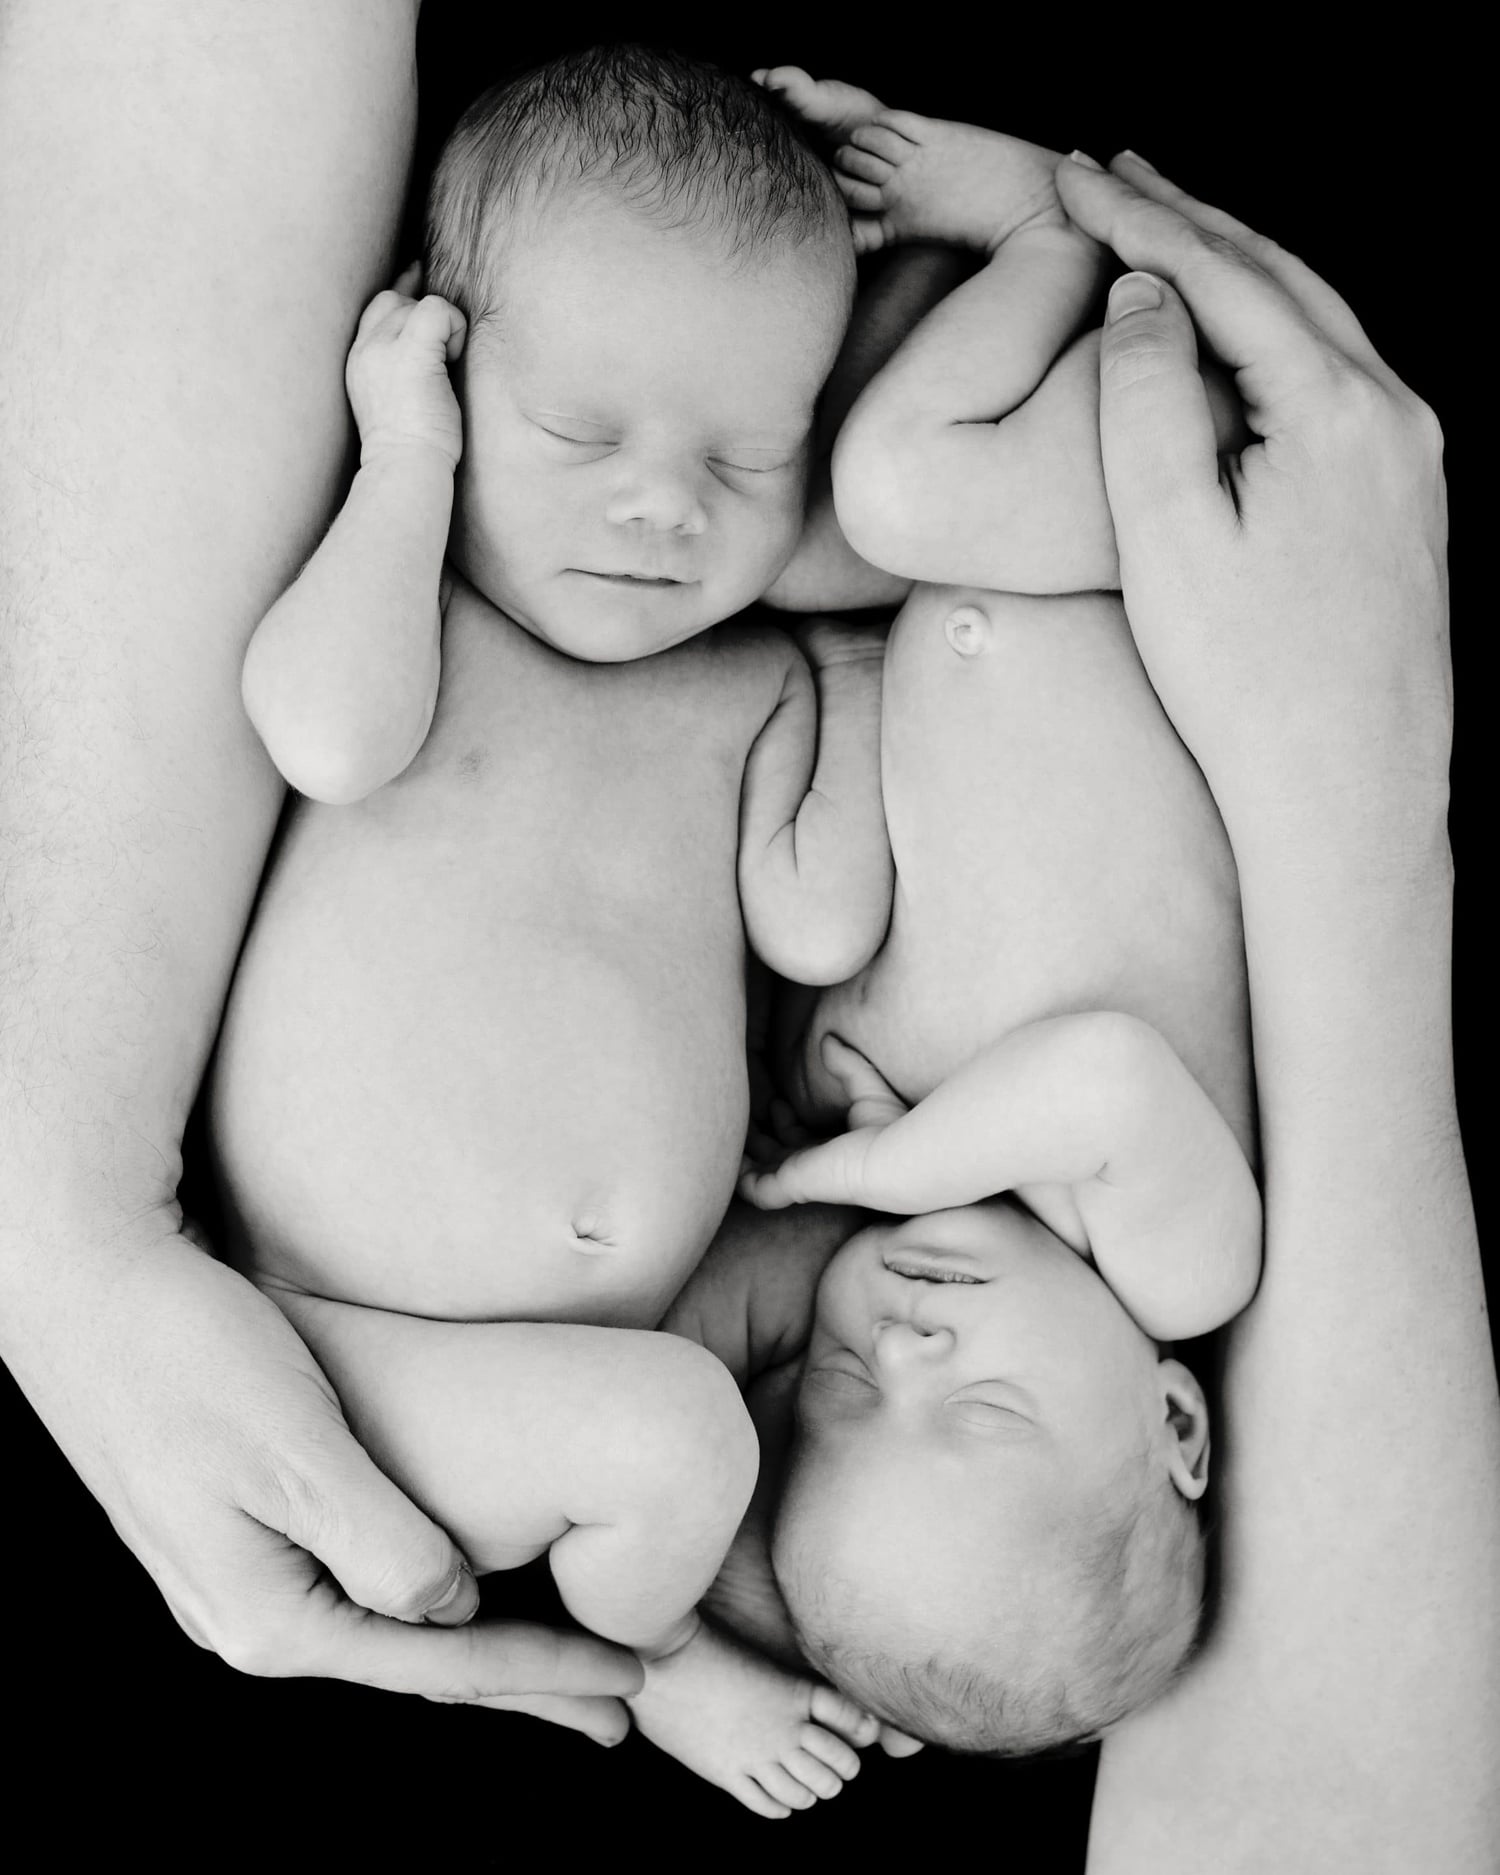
(330, 1638)
(409, 1588)
(606, 1721)
(1317, 299)
(1156, 427)
(1248, 317)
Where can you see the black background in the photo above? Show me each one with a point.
(125, 1737)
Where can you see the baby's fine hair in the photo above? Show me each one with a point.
(1116, 1638)
(680, 142)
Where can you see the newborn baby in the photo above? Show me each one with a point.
(988, 1533)
(481, 1095)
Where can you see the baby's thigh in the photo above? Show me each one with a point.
(435, 1404)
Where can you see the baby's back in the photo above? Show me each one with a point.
(1056, 850)
(484, 1056)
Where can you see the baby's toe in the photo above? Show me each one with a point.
(781, 1787)
(761, 1802)
(813, 1773)
(862, 166)
(831, 1709)
(881, 140)
(839, 1756)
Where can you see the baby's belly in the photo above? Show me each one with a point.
(447, 1091)
(1056, 850)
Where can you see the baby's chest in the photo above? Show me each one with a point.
(636, 765)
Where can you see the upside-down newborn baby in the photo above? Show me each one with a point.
(989, 1531)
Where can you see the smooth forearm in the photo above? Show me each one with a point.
(1355, 1647)
(341, 676)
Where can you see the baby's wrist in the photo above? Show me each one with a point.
(405, 453)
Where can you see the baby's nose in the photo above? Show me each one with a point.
(658, 495)
(900, 1343)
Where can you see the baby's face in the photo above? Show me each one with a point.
(636, 427)
(971, 1388)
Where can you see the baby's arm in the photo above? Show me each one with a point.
(341, 676)
(825, 574)
(1098, 1105)
(815, 868)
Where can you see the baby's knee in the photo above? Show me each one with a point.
(695, 1444)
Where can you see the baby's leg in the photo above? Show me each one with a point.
(927, 482)
(629, 1456)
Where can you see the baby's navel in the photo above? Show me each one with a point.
(590, 1231)
(967, 630)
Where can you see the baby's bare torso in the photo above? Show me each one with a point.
(1056, 849)
(484, 1058)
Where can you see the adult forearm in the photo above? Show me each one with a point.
(173, 430)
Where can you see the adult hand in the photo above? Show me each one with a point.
(1289, 602)
(199, 1419)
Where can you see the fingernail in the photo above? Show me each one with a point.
(1134, 292)
(1083, 159)
(458, 1604)
(1141, 161)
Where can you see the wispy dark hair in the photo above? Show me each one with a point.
(683, 143)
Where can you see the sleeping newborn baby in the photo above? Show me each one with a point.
(481, 1096)
(989, 1531)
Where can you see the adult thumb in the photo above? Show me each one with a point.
(385, 1553)
(1156, 430)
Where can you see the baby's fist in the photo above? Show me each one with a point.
(397, 374)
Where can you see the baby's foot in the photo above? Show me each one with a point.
(776, 1741)
(910, 178)
(827, 104)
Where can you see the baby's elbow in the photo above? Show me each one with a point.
(872, 496)
(324, 760)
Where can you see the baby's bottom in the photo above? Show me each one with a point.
(626, 1453)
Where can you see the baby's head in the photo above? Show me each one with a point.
(657, 272)
(989, 1532)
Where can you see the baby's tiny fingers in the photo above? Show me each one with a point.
(409, 280)
(434, 321)
(764, 1190)
(835, 1752)
(820, 1778)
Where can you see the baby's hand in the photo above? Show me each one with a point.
(831, 1172)
(828, 645)
(397, 373)
(778, 1741)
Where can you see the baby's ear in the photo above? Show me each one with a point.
(1184, 1428)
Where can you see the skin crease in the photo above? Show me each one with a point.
(669, 441)
(967, 1405)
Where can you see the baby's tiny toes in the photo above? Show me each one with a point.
(829, 1749)
(830, 1708)
(779, 1784)
(820, 1778)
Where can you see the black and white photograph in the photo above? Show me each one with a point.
(743, 991)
